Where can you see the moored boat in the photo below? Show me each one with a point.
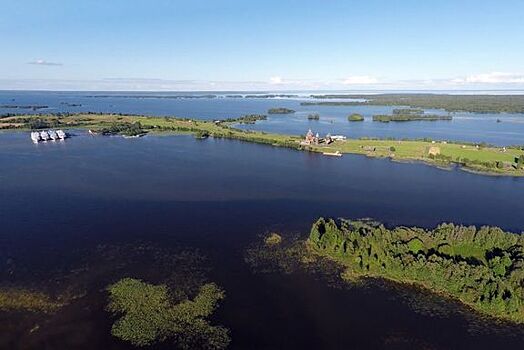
(53, 135)
(35, 136)
(44, 136)
(333, 154)
(61, 134)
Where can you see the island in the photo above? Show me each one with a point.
(386, 118)
(280, 110)
(482, 268)
(450, 103)
(409, 114)
(313, 116)
(477, 158)
(355, 117)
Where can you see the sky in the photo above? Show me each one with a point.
(261, 45)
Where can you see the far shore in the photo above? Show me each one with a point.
(477, 158)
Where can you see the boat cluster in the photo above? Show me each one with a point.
(49, 135)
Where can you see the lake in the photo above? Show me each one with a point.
(469, 127)
(62, 203)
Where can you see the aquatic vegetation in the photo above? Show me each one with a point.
(483, 268)
(14, 299)
(273, 238)
(149, 315)
(355, 117)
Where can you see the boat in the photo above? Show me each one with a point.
(35, 136)
(333, 154)
(338, 138)
(53, 135)
(44, 136)
(61, 134)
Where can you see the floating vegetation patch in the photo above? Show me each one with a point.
(149, 315)
(275, 253)
(16, 299)
(273, 239)
(32, 297)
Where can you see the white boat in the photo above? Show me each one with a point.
(338, 138)
(61, 134)
(35, 136)
(333, 154)
(44, 136)
(53, 135)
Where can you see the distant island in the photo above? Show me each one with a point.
(355, 117)
(409, 114)
(386, 118)
(280, 110)
(483, 268)
(33, 107)
(450, 103)
(313, 116)
(478, 158)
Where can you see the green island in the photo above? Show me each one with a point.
(450, 103)
(483, 268)
(313, 116)
(355, 117)
(149, 315)
(280, 110)
(409, 114)
(386, 118)
(479, 158)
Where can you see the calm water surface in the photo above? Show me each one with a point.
(333, 119)
(59, 199)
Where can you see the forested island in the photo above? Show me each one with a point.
(483, 268)
(280, 110)
(386, 118)
(450, 103)
(409, 114)
(481, 158)
(355, 117)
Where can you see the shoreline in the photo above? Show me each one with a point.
(395, 255)
(475, 159)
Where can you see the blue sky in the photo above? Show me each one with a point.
(261, 45)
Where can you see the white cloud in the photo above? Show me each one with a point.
(44, 63)
(491, 78)
(360, 80)
(276, 80)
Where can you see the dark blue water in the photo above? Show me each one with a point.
(333, 119)
(58, 199)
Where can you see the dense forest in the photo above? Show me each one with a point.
(483, 268)
(450, 103)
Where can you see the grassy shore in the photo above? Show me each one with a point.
(485, 160)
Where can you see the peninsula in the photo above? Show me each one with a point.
(479, 158)
(483, 268)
